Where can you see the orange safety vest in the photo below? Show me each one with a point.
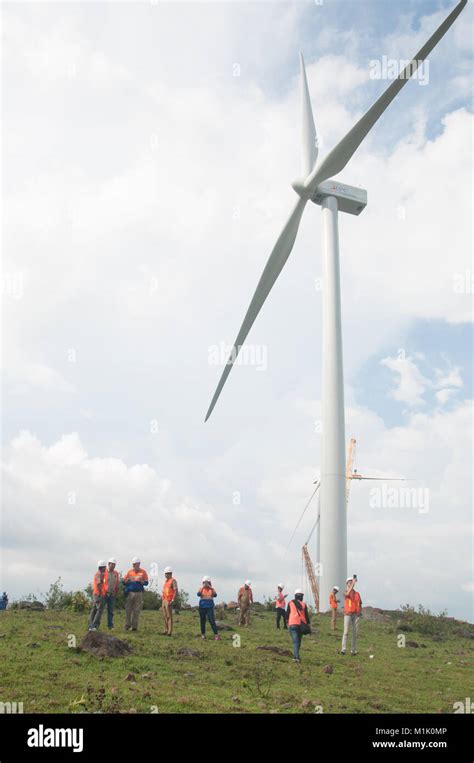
(332, 600)
(206, 593)
(133, 577)
(168, 593)
(296, 618)
(280, 601)
(98, 584)
(106, 581)
(352, 603)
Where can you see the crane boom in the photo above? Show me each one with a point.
(311, 576)
(349, 466)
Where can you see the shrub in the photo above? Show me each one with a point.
(424, 621)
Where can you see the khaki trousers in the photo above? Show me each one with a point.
(333, 619)
(168, 615)
(133, 607)
(244, 614)
(348, 621)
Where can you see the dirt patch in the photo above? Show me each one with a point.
(223, 626)
(103, 645)
(276, 650)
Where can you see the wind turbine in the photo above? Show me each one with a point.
(332, 197)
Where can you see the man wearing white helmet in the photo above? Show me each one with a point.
(298, 622)
(98, 596)
(280, 605)
(168, 596)
(333, 602)
(134, 581)
(245, 599)
(111, 587)
(352, 614)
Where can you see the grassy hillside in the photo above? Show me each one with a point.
(42, 671)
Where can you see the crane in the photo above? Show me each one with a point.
(351, 474)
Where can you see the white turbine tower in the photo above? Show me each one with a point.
(333, 197)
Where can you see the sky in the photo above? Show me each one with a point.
(148, 152)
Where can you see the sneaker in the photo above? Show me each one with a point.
(342, 652)
(354, 653)
(203, 637)
(217, 638)
(295, 660)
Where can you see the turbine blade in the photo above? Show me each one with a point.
(337, 159)
(382, 479)
(309, 145)
(280, 253)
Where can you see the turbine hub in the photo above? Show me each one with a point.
(298, 185)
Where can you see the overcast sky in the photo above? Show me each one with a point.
(148, 152)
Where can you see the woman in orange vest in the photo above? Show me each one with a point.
(207, 594)
(352, 614)
(297, 615)
(168, 595)
(280, 605)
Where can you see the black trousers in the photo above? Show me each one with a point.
(207, 613)
(281, 613)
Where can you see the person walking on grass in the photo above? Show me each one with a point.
(98, 596)
(333, 602)
(245, 599)
(207, 594)
(168, 595)
(111, 588)
(134, 581)
(352, 614)
(298, 622)
(280, 605)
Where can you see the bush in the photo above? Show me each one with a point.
(269, 604)
(424, 621)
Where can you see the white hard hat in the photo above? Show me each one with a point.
(298, 590)
(101, 563)
(336, 588)
(248, 582)
(112, 560)
(168, 569)
(206, 579)
(280, 585)
(349, 580)
(136, 560)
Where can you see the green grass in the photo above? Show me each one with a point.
(52, 677)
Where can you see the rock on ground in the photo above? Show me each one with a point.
(103, 645)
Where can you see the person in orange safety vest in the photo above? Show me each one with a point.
(297, 614)
(134, 581)
(98, 596)
(245, 599)
(168, 595)
(111, 587)
(333, 602)
(280, 605)
(352, 614)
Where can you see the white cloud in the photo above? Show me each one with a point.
(410, 384)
